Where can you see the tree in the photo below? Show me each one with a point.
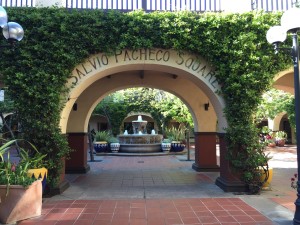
(274, 102)
(161, 105)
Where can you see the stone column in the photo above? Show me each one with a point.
(78, 158)
(205, 152)
(228, 180)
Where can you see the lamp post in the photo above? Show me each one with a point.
(12, 31)
(290, 24)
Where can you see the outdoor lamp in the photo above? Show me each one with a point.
(12, 31)
(290, 24)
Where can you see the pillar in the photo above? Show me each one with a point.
(205, 152)
(228, 180)
(77, 162)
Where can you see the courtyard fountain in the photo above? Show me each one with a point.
(140, 141)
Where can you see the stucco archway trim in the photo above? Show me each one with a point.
(190, 66)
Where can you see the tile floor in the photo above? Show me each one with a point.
(160, 190)
(196, 211)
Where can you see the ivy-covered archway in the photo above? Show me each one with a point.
(56, 40)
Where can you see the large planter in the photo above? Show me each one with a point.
(114, 147)
(20, 203)
(280, 142)
(263, 177)
(177, 147)
(39, 173)
(166, 147)
(101, 146)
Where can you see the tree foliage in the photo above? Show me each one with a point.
(162, 106)
(274, 102)
(57, 39)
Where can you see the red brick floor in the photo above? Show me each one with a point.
(196, 211)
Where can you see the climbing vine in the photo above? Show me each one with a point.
(57, 39)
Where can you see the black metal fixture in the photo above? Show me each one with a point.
(74, 107)
(290, 24)
(12, 31)
(206, 106)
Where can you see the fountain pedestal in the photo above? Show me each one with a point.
(140, 141)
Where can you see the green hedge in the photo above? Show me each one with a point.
(56, 40)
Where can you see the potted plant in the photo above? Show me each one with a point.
(166, 145)
(270, 139)
(20, 194)
(36, 164)
(280, 138)
(177, 137)
(101, 141)
(114, 144)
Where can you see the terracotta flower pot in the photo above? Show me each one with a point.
(39, 173)
(21, 203)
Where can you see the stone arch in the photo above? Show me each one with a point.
(186, 75)
(170, 65)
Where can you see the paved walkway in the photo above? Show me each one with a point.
(164, 190)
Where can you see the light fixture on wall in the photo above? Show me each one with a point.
(290, 24)
(12, 31)
(75, 107)
(206, 106)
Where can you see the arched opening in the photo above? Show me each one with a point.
(186, 76)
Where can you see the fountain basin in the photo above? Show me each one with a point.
(140, 143)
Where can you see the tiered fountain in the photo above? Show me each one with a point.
(140, 141)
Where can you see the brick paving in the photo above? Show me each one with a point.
(164, 190)
(228, 211)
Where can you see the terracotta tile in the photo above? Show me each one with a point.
(93, 205)
(204, 213)
(252, 212)
(78, 205)
(169, 209)
(236, 212)
(84, 222)
(48, 222)
(190, 220)
(214, 207)
(231, 207)
(138, 222)
(137, 205)
(90, 210)
(199, 208)
(29, 222)
(156, 221)
(208, 219)
(138, 214)
(69, 216)
(74, 210)
(65, 222)
(53, 216)
(243, 218)
(187, 214)
(259, 218)
(174, 221)
(171, 215)
(184, 208)
(58, 210)
(220, 213)
(106, 210)
(104, 216)
(121, 215)
(48, 205)
(63, 204)
(120, 221)
(87, 216)
(226, 219)
(102, 222)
